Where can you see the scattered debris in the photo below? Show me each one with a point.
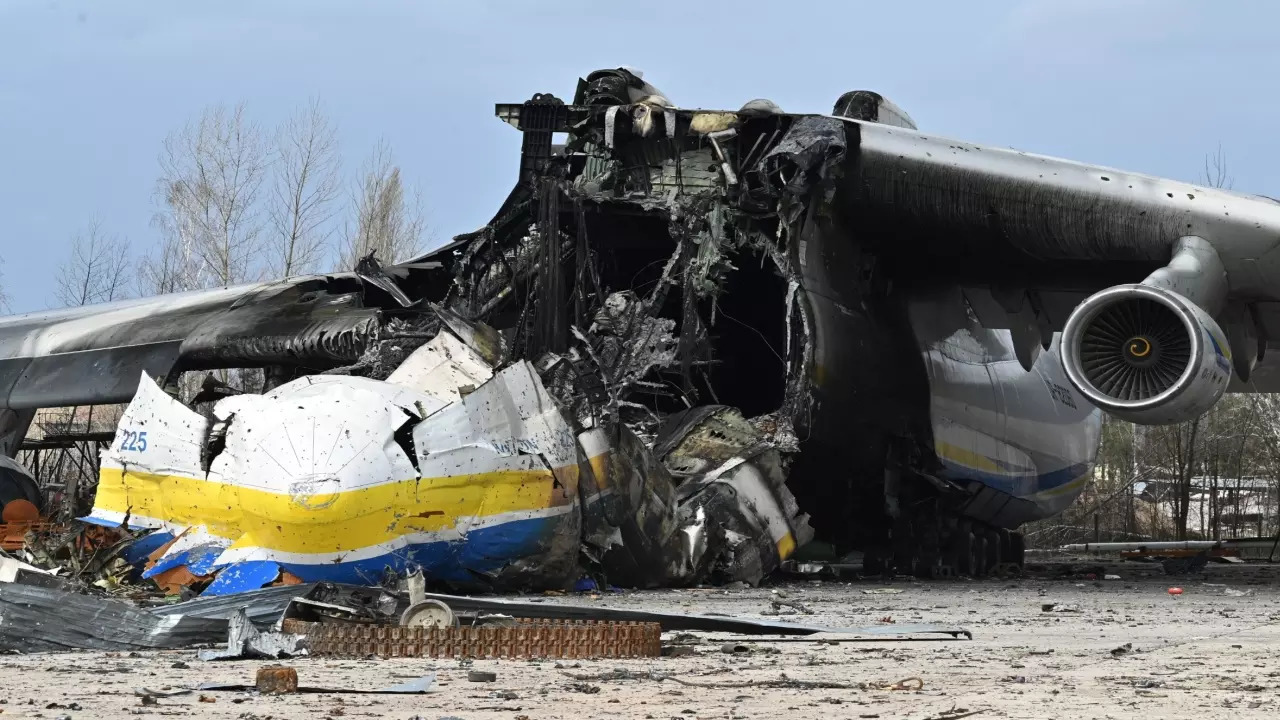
(1060, 608)
(677, 622)
(1122, 650)
(276, 680)
(244, 641)
(787, 607)
(482, 676)
(782, 682)
(37, 619)
(152, 697)
(882, 591)
(954, 714)
(419, 686)
(351, 620)
(913, 683)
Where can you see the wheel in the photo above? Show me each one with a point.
(1017, 551)
(961, 549)
(980, 555)
(428, 614)
(993, 552)
(904, 547)
(873, 562)
(929, 562)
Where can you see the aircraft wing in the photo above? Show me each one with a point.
(95, 354)
(1029, 237)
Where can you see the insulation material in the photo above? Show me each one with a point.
(316, 479)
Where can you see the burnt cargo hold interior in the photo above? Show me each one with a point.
(652, 259)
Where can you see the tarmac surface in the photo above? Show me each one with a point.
(1121, 648)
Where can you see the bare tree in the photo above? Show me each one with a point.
(303, 194)
(4, 297)
(387, 224)
(96, 270)
(168, 269)
(211, 174)
(1215, 170)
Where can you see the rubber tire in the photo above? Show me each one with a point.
(980, 556)
(928, 563)
(962, 555)
(1017, 551)
(994, 551)
(872, 563)
(904, 548)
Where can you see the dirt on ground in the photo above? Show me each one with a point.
(1107, 648)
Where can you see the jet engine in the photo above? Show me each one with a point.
(1146, 354)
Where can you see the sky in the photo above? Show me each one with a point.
(89, 89)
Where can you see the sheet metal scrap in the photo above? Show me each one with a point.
(524, 638)
(675, 622)
(36, 619)
(244, 640)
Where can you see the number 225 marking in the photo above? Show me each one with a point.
(134, 441)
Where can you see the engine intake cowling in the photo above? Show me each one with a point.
(1146, 355)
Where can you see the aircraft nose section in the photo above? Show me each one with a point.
(314, 492)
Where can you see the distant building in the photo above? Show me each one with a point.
(1244, 507)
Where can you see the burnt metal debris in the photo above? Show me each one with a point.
(343, 620)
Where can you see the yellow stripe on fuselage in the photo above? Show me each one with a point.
(1064, 488)
(337, 522)
(967, 457)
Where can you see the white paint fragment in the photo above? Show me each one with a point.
(441, 368)
(510, 422)
(9, 569)
(157, 434)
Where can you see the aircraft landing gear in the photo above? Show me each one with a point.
(937, 549)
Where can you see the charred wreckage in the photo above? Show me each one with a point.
(688, 343)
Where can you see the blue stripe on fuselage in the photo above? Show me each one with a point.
(1017, 486)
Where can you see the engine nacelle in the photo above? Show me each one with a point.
(1146, 355)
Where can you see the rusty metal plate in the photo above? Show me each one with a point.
(528, 638)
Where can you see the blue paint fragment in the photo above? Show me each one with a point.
(199, 560)
(243, 577)
(141, 549)
(585, 584)
(108, 523)
(1022, 487)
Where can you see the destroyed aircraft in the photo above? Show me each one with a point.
(473, 475)
(694, 329)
